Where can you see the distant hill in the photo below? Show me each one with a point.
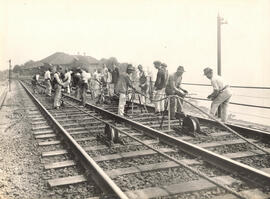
(86, 60)
(60, 58)
(69, 62)
(66, 59)
(32, 64)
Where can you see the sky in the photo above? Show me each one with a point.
(177, 32)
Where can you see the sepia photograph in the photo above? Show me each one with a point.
(134, 99)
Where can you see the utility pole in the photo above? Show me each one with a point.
(9, 76)
(220, 21)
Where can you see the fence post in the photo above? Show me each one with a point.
(169, 112)
(9, 75)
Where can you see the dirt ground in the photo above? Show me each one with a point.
(20, 166)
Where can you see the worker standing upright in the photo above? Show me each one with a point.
(159, 88)
(77, 82)
(105, 72)
(143, 84)
(58, 84)
(123, 83)
(221, 94)
(115, 77)
(67, 81)
(95, 84)
(85, 76)
(47, 78)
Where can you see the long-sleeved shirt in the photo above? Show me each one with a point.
(57, 79)
(123, 83)
(47, 75)
(85, 76)
(173, 84)
(105, 72)
(68, 77)
(115, 75)
(161, 79)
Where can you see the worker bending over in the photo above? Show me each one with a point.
(173, 87)
(221, 94)
(35, 80)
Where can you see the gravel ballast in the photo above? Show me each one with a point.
(20, 166)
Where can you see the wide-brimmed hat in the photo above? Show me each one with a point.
(130, 67)
(207, 71)
(181, 68)
(157, 62)
(164, 65)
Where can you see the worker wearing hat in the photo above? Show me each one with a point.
(85, 77)
(123, 83)
(164, 67)
(221, 94)
(76, 79)
(143, 83)
(173, 87)
(159, 87)
(57, 84)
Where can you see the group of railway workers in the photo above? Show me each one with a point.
(110, 82)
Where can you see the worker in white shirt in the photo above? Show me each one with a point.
(84, 85)
(221, 94)
(105, 72)
(47, 78)
(67, 81)
(35, 82)
(94, 83)
(58, 84)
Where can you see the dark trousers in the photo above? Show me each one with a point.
(83, 89)
(174, 102)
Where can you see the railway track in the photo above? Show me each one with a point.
(151, 163)
(66, 182)
(214, 138)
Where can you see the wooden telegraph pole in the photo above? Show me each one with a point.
(220, 21)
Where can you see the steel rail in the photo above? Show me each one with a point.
(197, 172)
(254, 175)
(221, 124)
(265, 136)
(93, 170)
